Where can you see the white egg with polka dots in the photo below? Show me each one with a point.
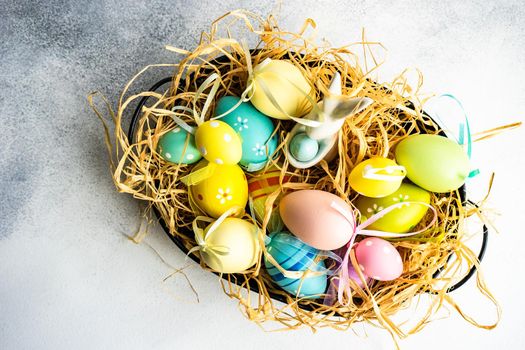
(218, 142)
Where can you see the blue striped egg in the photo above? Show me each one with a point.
(294, 255)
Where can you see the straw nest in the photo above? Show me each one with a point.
(139, 170)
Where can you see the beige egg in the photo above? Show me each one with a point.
(239, 239)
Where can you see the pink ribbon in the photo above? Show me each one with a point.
(344, 278)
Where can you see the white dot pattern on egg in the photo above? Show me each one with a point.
(217, 140)
(176, 130)
(167, 155)
(379, 259)
(219, 161)
(190, 156)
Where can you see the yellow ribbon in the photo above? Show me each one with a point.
(203, 245)
(199, 175)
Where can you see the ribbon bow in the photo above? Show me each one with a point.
(211, 250)
(344, 277)
(464, 137)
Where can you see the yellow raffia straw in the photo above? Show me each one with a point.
(398, 111)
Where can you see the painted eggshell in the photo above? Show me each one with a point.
(287, 85)
(379, 259)
(303, 148)
(354, 276)
(294, 255)
(178, 146)
(225, 188)
(399, 220)
(375, 177)
(433, 162)
(254, 128)
(240, 238)
(309, 214)
(259, 187)
(218, 142)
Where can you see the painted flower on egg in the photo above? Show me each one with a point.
(241, 123)
(224, 195)
(402, 199)
(413, 200)
(259, 149)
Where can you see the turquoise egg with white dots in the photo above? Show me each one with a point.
(178, 146)
(254, 128)
(294, 255)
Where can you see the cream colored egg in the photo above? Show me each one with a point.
(287, 85)
(232, 247)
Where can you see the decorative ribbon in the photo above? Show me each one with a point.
(203, 245)
(464, 136)
(199, 175)
(344, 278)
(296, 243)
(373, 173)
(299, 245)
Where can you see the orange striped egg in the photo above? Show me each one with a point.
(259, 188)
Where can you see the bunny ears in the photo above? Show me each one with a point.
(308, 145)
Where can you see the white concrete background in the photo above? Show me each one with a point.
(69, 279)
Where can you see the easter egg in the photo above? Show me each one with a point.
(433, 162)
(354, 276)
(376, 177)
(287, 85)
(218, 142)
(178, 146)
(303, 148)
(399, 220)
(293, 255)
(254, 128)
(260, 187)
(238, 246)
(378, 259)
(225, 188)
(316, 217)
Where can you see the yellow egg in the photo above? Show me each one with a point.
(287, 85)
(225, 188)
(232, 247)
(376, 177)
(218, 142)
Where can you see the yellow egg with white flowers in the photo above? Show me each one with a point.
(218, 142)
(225, 187)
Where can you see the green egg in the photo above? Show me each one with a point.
(435, 163)
(178, 146)
(399, 220)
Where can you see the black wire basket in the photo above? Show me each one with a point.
(238, 279)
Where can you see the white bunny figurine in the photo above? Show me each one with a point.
(308, 145)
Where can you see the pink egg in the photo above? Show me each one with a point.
(379, 259)
(310, 215)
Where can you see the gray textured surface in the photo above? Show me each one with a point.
(68, 276)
